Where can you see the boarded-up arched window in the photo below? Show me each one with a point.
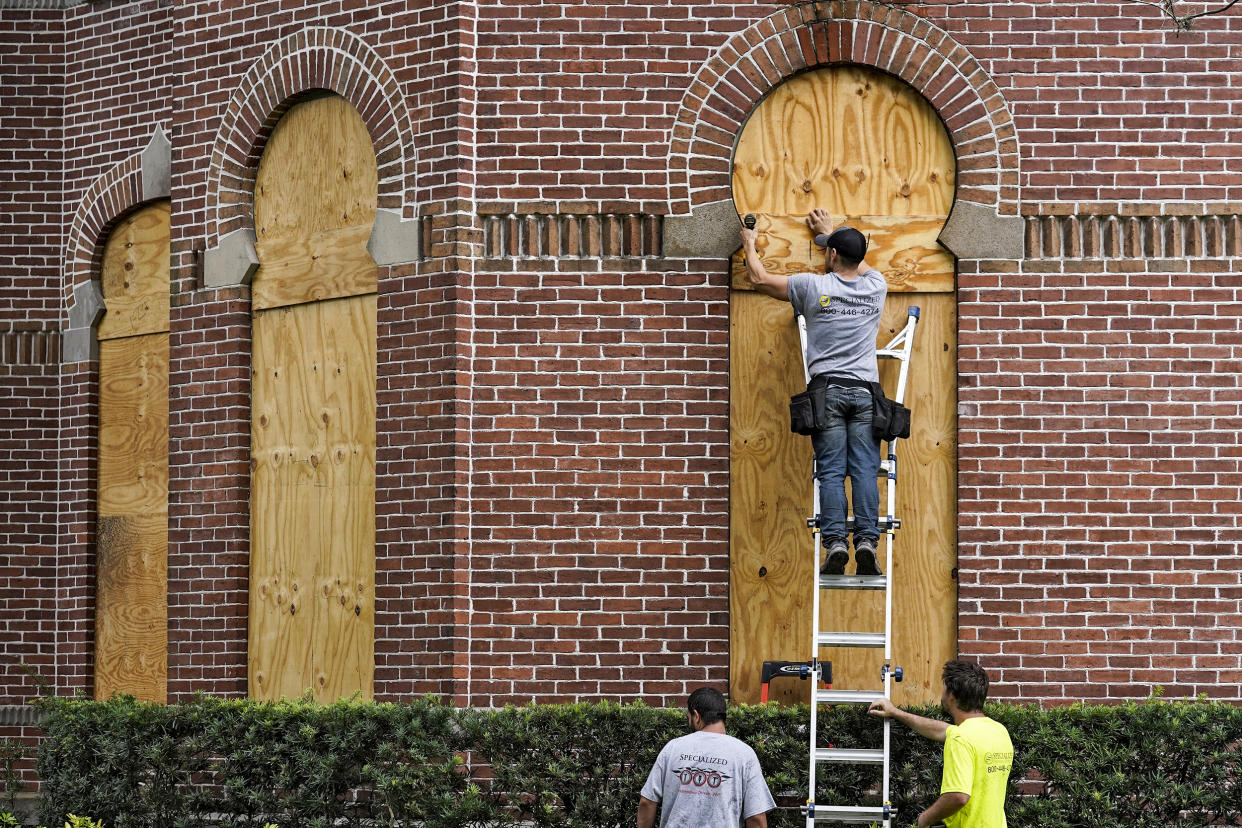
(131, 607)
(312, 565)
(873, 152)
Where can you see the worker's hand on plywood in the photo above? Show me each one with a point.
(820, 221)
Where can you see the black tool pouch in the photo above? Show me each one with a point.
(801, 413)
(889, 420)
(808, 411)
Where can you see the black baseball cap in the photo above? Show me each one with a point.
(845, 240)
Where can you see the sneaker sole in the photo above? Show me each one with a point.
(835, 564)
(867, 566)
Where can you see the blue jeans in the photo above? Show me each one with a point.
(847, 447)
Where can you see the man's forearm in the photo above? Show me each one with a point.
(775, 286)
(757, 821)
(646, 813)
(933, 729)
(946, 806)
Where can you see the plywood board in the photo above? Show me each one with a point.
(848, 139)
(315, 202)
(312, 605)
(804, 148)
(903, 248)
(132, 537)
(327, 265)
(134, 274)
(770, 487)
(925, 620)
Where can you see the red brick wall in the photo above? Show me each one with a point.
(117, 88)
(31, 59)
(1099, 473)
(552, 506)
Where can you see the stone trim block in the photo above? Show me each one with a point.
(232, 261)
(977, 231)
(395, 240)
(79, 343)
(156, 167)
(709, 232)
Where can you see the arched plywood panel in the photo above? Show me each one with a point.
(131, 627)
(314, 206)
(312, 567)
(869, 149)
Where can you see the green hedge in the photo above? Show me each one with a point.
(240, 763)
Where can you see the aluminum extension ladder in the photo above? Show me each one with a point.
(899, 348)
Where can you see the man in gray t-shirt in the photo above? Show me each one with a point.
(842, 308)
(706, 779)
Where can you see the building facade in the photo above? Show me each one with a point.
(554, 211)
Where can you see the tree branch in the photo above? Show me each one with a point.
(1183, 22)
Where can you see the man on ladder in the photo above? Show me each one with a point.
(847, 415)
(842, 310)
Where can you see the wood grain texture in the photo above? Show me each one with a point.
(134, 274)
(315, 201)
(770, 485)
(852, 140)
(313, 500)
(327, 265)
(903, 248)
(865, 147)
(925, 612)
(132, 538)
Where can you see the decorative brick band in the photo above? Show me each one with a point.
(40, 4)
(1133, 237)
(623, 235)
(810, 34)
(19, 715)
(29, 346)
(314, 58)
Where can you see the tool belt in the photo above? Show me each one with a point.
(808, 411)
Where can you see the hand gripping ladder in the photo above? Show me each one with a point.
(898, 348)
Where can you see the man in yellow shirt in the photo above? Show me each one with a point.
(977, 751)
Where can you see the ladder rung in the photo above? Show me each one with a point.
(851, 639)
(882, 523)
(852, 813)
(847, 696)
(887, 354)
(853, 582)
(856, 755)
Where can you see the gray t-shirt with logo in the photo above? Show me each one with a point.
(842, 321)
(707, 780)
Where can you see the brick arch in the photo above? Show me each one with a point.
(314, 58)
(142, 177)
(811, 34)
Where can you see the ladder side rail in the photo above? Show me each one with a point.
(907, 346)
(814, 730)
(891, 487)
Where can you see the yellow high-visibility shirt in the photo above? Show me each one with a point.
(977, 756)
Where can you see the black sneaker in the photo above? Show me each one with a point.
(838, 557)
(864, 556)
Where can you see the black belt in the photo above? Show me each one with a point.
(822, 380)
